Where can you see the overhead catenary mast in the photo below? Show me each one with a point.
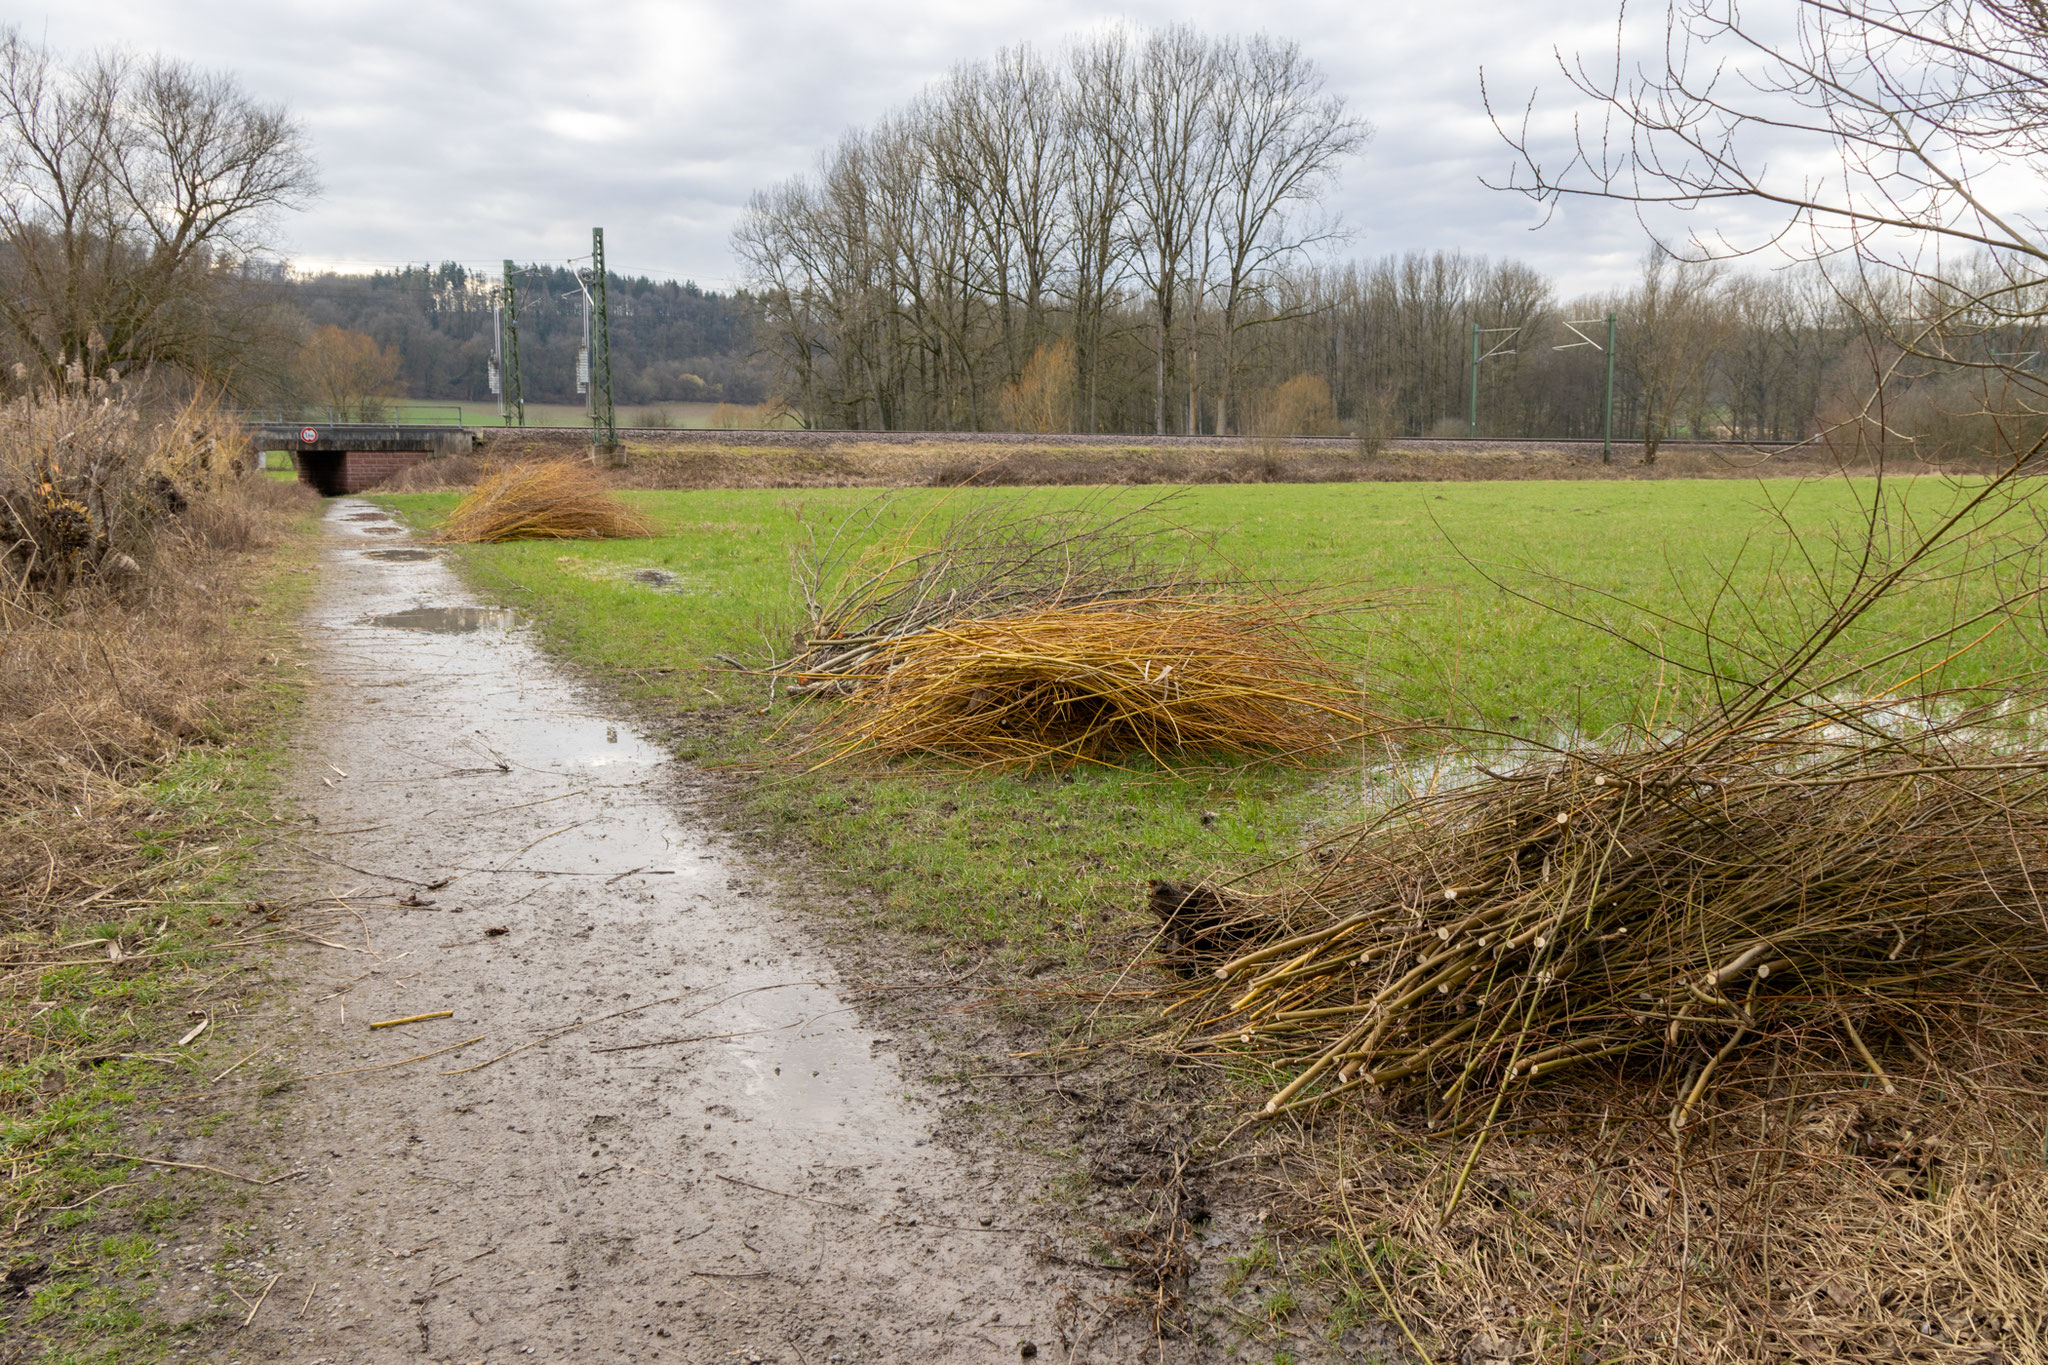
(1472, 417)
(1607, 423)
(495, 362)
(512, 402)
(604, 418)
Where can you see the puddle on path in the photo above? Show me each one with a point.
(383, 530)
(398, 556)
(367, 516)
(445, 620)
(666, 1105)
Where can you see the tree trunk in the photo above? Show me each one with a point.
(1159, 367)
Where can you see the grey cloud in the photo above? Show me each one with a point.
(473, 131)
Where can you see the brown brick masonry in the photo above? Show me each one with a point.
(355, 470)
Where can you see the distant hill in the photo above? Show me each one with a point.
(670, 342)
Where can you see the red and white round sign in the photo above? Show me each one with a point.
(308, 435)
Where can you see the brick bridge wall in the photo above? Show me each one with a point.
(338, 472)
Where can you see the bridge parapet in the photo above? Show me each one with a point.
(348, 457)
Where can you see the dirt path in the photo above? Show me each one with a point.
(721, 1163)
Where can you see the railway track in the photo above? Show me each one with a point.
(798, 439)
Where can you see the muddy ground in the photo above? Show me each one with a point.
(665, 1105)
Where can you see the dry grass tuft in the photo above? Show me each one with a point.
(437, 475)
(1828, 1222)
(554, 500)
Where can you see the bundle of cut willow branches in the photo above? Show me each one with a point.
(870, 583)
(551, 500)
(1093, 682)
(1013, 635)
(1820, 876)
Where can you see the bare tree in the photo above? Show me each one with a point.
(1166, 127)
(1098, 181)
(1279, 140)
(347, 373)
(1672, 338)
(1926, 110)
(131, 191)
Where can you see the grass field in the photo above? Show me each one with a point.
(1050, 864)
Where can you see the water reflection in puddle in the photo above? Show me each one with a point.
(398, 556)
(367, 516)
(382, 530)
(449, 620)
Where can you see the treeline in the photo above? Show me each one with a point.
(670, 342)
(1128, 236)
(1698, 351)
(1138, 201)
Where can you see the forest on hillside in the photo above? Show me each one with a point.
(670, 342)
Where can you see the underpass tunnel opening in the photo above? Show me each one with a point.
(322, 469)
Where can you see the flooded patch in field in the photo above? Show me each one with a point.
(648, 576)
(449, 620)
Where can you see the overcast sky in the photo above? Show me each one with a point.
(457, 129)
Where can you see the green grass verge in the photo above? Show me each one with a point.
(1045, 865)
(101, 1038)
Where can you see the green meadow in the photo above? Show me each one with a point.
(1545, 610)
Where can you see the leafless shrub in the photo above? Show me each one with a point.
(100, 685)
(435, 476)
(90, 480)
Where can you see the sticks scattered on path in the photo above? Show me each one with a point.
(239, 1065)
(323, 1075)
(414, 1019)
(261, 1297)
(784, 1194)
(562, 1033)
(188, 1166)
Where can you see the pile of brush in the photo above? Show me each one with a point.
(551, 500)
(1837, 881)
(1094, 682)
(1058, 636)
